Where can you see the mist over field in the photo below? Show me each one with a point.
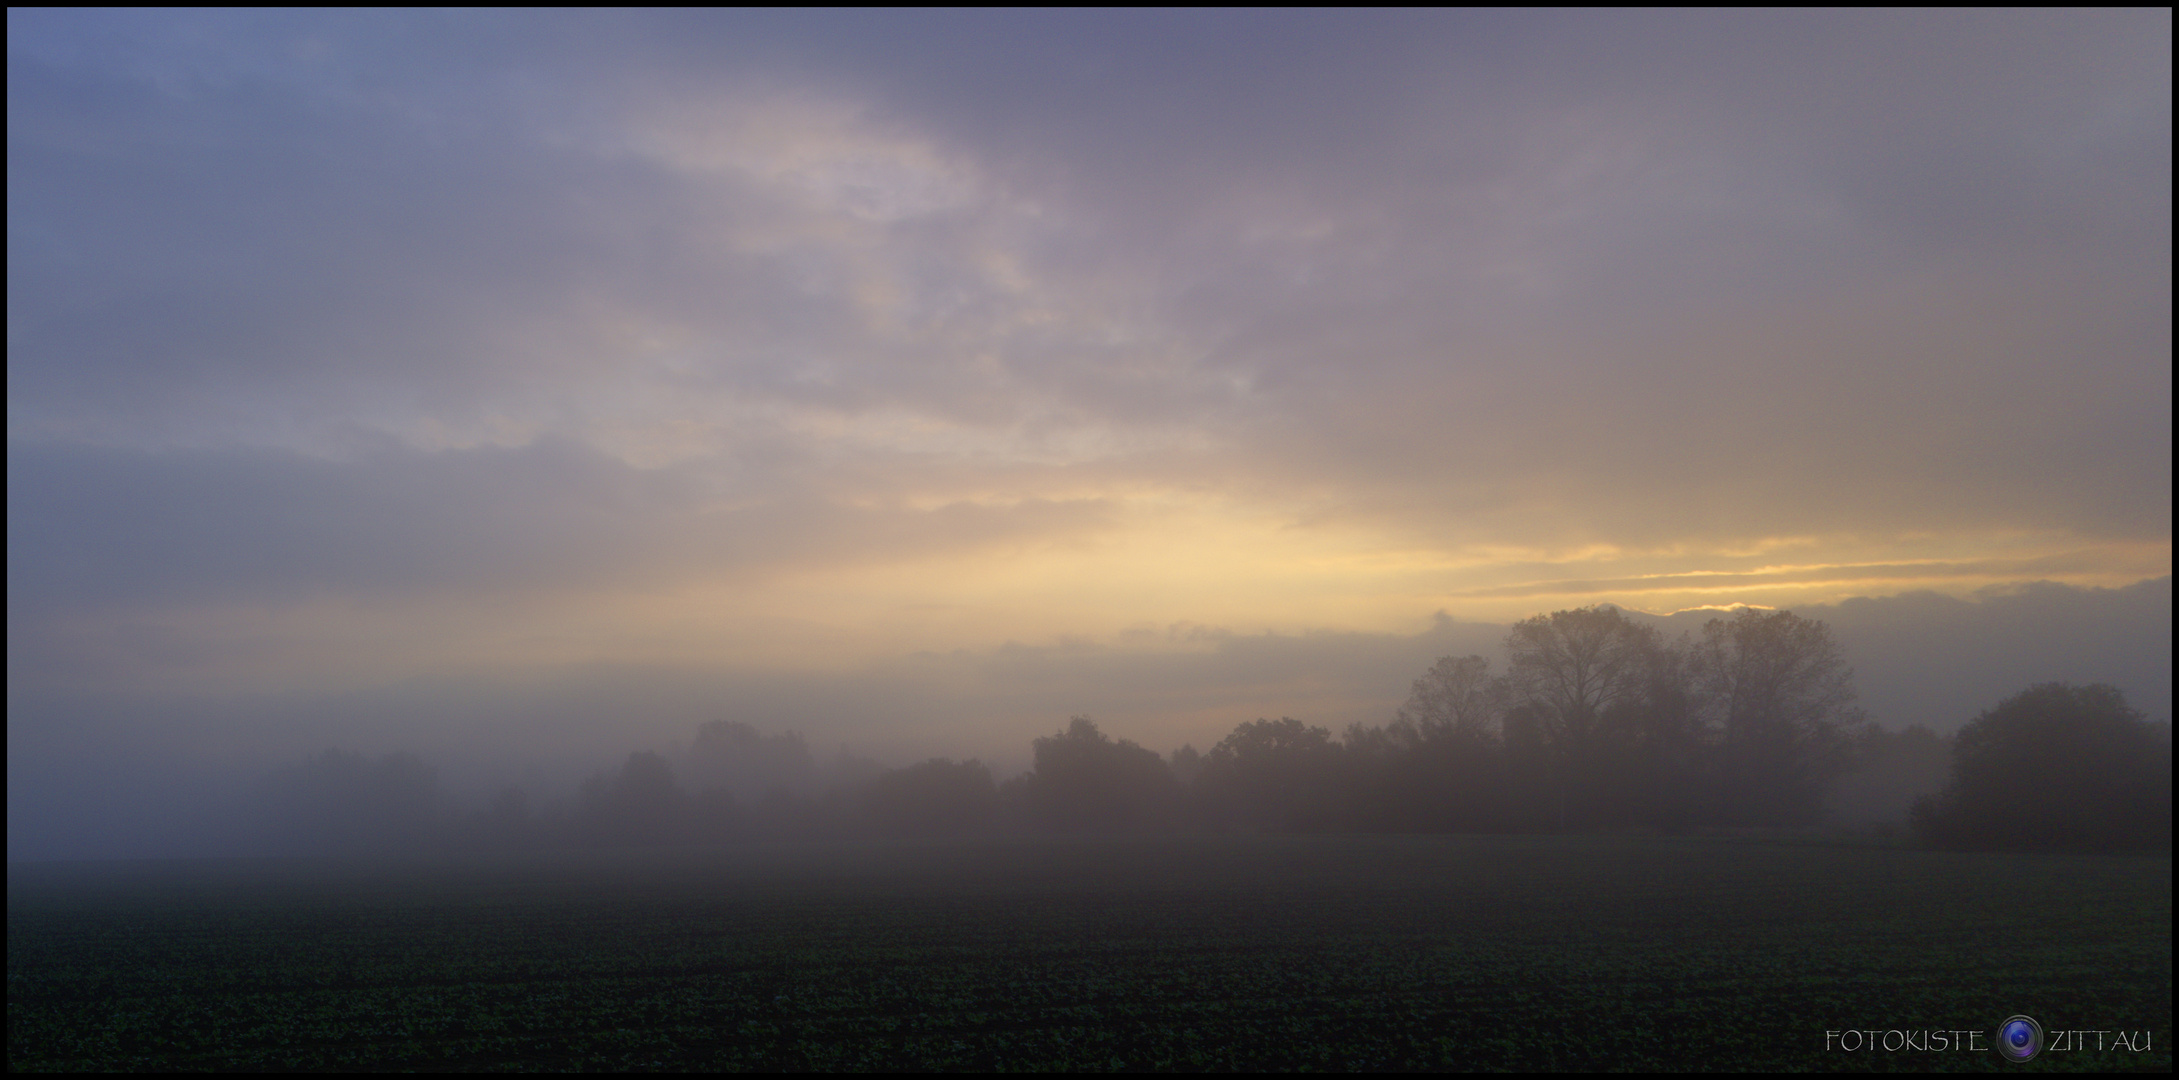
(122, 780)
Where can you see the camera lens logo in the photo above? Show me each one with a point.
(2019, 1039)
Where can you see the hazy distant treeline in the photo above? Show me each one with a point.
(1598, 722)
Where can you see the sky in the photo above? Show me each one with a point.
(522, 386)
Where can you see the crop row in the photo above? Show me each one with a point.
(1519, 962)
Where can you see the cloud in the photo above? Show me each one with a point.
(354, 348)
(127, 530)
(1127, 227)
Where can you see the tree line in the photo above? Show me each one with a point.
(1597, 722)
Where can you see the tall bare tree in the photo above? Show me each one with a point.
(1578, 679)
(1456, 697)
(1778, 689)
(1571, 667)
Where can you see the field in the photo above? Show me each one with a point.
(1170, 954)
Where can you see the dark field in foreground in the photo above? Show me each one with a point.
(1386, 953)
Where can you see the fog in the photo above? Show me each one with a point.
(102, 776)
(520, 392)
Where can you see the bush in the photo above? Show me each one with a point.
(1084, 781)
(2054, 767)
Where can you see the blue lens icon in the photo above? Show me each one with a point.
(2019, 1039)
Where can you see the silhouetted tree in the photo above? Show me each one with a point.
(1782, 699)
(734, 756)
(1016, 806)
(1535, 795)
(1566, 672)
(1084, 780)
(1186, 764)
(849, 771)
(1572, 666)
(1383, 793)
(640, 805)
(1656, 750)
(937, 796)
(1438, 765)
(1456, 697)
(1279, 775)
(2055, 766)
(1401, 778)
